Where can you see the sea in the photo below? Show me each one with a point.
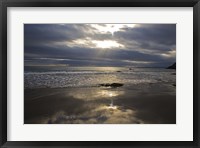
(65, 77)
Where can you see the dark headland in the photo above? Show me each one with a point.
(173, 66)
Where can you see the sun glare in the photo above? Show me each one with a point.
(95, 43)
(107, 44)
(112, 28)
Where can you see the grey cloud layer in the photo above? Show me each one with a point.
(151, 43)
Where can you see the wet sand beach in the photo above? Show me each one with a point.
(133, 104)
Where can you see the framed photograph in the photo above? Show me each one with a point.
(100, 73)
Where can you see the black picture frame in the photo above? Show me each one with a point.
(4, 4)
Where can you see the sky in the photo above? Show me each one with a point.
(135, 45)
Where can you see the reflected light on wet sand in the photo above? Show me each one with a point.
(112, 107)
(95, 94)
(109, 93)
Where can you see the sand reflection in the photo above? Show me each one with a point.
(95, 94)
(102, 114)
(99, 106)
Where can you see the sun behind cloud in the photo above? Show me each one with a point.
(107, 44)
(90, 43)
(112, 28)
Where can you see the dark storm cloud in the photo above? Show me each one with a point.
(47, 33)
(87, 56)
(160, 34)
(88, 53)
(152, 37)
(153, 44)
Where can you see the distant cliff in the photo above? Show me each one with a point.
(172, 66)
